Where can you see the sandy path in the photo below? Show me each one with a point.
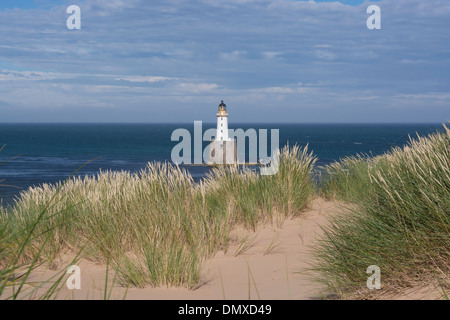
(275, 256)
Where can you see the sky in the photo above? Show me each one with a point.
(269, 60)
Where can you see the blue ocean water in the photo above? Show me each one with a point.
(52, 152)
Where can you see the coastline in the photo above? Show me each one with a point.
(177, 228)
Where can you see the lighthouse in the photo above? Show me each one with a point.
(222, 123)
(223, 150)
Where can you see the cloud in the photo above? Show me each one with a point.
(149, 79)
(326, 55)
(197, 87)
(8, 75)
(110, 7)
(309, 57)
(232, 56)
(271, 54)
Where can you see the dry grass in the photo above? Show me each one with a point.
(156, 226)
(401, 221)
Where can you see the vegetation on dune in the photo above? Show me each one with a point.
(14, 272)
(399, 219)
(156, 227)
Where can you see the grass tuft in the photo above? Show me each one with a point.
(399, 220)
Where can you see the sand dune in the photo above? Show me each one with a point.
(266, 264)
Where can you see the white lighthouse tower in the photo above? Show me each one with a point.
(222, 123)
(222, 149)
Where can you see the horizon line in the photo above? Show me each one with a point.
(211, 122)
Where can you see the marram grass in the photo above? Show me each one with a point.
(156, 227)
(399, 219)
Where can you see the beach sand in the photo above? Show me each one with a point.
(267, 264)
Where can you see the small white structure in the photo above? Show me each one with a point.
(222, 149)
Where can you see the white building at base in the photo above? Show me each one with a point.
(222, 149)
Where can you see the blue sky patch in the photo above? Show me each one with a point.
(31, 4)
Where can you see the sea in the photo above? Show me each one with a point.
(34, 154)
